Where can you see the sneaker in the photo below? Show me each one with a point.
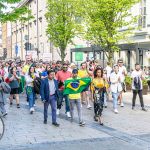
(115, 111)
(31, 110)
(144, 109)
(89, 107)
(122, 105)
(18, 106)
(58, 111)
(27, 103)
(133, 108)
(82, 124)
(55, 124)
(34, 105)
(11, 103)
(68, 115)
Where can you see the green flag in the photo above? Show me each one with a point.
(74, 86)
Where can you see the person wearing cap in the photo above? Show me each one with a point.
(115, 86)
(75, 99)
(123, 73)
(49, 95)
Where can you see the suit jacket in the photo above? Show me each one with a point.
(45, 91)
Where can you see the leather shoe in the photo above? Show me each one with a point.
(55, 124)
(144, 109)
(45, 122)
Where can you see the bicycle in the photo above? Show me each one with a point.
(2, 127)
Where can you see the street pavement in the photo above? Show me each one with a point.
(128, 130)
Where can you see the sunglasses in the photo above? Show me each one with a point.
(65, 67)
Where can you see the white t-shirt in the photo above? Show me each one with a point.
(136, 74)
(122, 70)
(115, 85)
(108, 69)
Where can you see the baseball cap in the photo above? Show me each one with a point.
(74, 71)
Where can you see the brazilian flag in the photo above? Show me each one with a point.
(74, 86)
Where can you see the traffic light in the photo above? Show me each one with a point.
(27, 46)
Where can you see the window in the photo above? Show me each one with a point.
(142, 19)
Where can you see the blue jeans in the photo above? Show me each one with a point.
(105, 99)
(30, 96)
(52, 102)
(115, 99)
(60, 101)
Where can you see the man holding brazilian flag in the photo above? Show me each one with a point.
(73, 87)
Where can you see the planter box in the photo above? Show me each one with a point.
(145, 90)
(128, 87)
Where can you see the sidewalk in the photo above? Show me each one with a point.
(129, 129)
(127, 98)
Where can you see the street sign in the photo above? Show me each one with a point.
(47, 56)
(78, 56)
(16, 49)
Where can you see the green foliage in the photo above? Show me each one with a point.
(16, 13)
(104, 18)
(62, 17)
(144, 82)
(128, 80)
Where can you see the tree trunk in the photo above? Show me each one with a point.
(110, 57)
(62, 55)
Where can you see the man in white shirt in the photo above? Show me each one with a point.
(122, 73)
(108, 70)
(137, 87)
(115, 86)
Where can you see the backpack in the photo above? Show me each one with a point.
(37, 84)
(6, 88)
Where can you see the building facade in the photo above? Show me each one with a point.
(1, 50)
(34, 32)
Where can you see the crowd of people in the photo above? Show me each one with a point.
(47, 80)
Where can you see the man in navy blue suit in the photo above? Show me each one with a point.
(49, 94)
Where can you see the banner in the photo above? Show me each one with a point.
(74, 86)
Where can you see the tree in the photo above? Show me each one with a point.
(104, 18)
(16, 13)
(62, 23)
